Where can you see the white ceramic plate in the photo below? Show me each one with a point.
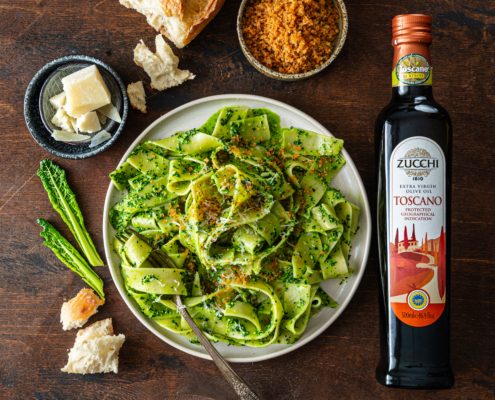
(192, 115)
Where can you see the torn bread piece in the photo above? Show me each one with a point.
(137, 96)
(76, 312)
(95, 350)
(98, 329)
(179, 20)
(162, 66)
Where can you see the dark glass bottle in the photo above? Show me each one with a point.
(413, 136)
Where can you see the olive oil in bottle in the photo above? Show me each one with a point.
(414, 150)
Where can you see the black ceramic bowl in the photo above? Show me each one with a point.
(38, 111)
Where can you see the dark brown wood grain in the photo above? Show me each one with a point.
(345, 98)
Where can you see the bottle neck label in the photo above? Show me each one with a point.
(416, 232)
(412, 69)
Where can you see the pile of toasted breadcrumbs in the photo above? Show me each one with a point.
(290, 36)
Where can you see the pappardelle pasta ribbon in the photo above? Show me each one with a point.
(247, 212)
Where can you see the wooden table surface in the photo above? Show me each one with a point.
(345, 98)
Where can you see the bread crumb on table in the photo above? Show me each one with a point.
(137, 96)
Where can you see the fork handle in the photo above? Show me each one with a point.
(236, 382)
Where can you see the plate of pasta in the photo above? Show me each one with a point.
(261, 210)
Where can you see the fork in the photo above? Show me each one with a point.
(161, 259)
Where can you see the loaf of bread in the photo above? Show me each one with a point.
(179, 20)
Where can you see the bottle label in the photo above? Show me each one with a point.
(416, 232)
(412, 70)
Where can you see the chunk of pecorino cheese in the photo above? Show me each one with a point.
(85, 91)
(58, 101)
(88, 122)
(63, 120)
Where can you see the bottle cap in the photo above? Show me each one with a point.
(407, 28)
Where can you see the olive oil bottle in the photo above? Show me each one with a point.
(414, 150)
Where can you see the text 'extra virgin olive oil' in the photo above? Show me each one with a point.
(414, 150)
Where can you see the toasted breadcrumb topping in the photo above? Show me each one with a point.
(291, 36)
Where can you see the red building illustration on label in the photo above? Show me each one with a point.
(406, 244)
(417, 275)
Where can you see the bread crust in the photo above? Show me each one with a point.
(76, 312)
(195, 14)
(173, 8)
(178, 20)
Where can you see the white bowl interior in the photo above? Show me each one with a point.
(348, 180)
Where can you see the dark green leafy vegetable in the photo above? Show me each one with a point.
(67, 253)
(64, 202)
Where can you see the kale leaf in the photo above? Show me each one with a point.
(64, 202)
(68, 254)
